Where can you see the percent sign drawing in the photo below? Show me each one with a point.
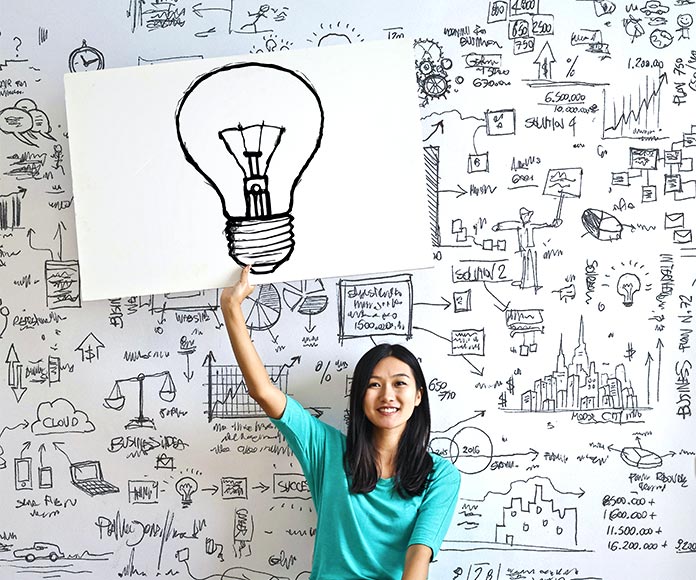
(323, 367)
(571, 70)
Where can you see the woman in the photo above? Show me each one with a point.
(383, 502)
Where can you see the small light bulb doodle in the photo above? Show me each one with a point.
(627, 285)
(186, 487)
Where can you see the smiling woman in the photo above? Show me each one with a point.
(383, 501)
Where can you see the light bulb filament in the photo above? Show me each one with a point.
(256, 196)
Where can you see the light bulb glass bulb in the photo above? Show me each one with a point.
(251, 130)
(186, 487)
(627, 285)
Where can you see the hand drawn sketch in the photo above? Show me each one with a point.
(272, 129)
(551, 304)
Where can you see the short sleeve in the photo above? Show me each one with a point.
(437, 509)
(306, 437)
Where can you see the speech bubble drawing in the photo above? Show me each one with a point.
(26, 122)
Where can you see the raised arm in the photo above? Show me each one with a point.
(261, 389)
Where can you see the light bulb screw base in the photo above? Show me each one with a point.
(265, 243)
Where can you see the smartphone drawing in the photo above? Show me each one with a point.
(22, 473)
(45, 477)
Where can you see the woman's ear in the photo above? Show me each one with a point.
(419, 396)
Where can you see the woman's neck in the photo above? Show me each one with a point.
(386, 445)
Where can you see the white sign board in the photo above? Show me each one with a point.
(304, 164)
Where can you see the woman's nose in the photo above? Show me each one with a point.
(387, 393)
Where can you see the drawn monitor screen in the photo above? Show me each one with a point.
(86, 471)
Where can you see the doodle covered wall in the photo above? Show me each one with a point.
(555, 325)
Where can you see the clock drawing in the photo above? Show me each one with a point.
(85, 58)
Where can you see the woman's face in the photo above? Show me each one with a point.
(391, 395)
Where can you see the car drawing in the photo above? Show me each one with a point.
(40, 551)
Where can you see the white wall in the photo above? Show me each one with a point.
(567, 412)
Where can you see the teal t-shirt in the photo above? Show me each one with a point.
(364, 536)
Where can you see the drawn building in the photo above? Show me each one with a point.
(579, 386)
(11, 209)
(537, 522)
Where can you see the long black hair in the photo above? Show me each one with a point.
(413, 462)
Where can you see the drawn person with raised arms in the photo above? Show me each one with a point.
(383, 502)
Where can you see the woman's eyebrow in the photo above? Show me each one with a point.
(392, 376)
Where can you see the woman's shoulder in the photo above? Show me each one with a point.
(294, 409)
(443, 468)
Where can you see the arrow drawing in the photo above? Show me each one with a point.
(29, 234)
(544, 62)
(89, 348)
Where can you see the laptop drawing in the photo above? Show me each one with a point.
(87, 476)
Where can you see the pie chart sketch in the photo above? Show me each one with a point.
(307, 297)
(640, 458)
(262, 309)
(470, 449)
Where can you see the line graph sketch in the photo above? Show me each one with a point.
(228, 397)
(637, 114)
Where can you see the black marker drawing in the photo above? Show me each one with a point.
(87, 477)
(262, 311)
(578, 386)
(85, 58)
(431, 70)
(269, 121)
(14, 373)
(25, 122)
(186, 487)
(684, 21)
(228, 397)
(380, 306)
(164, 461)
(252, 26)
(23, 472)
(11, 210)
(639, 457)
(308, 298)
(531, 515)
(39, 551)
(333, 34)
(565, 99)
(637, 115)
(602, 225)
(166, 390)
(24, 424)
(525, 229)
(89, 348)
(45, 471)
(60, 416)
(544, 60)
(271, 43)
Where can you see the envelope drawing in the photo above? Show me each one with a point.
(682, 236)
(163, 461)
(674, 220)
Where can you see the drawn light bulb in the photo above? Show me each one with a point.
(251, 130)
(186, 487)
(627, 285)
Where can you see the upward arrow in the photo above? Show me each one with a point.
(59, 234)
(544, 61)
(440, 125)
(659, 366)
